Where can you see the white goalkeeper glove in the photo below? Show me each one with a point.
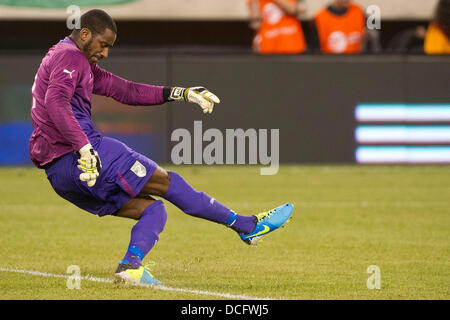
(89, 164)
(200, 95)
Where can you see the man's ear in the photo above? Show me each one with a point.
(85, 34)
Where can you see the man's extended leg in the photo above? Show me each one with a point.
(152, 217)
(172, 187)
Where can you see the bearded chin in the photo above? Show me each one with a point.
(87, 47)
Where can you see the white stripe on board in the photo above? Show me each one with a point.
(156, 287)
(402, 112)
(403, 154)
(387, 134)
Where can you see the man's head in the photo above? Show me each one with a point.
(442, 16)
(96, 35)
(341, 4)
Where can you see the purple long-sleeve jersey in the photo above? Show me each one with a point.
(61, 106)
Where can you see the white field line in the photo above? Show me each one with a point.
(156, 287)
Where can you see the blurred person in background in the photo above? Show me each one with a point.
(409, 41)
(437, 39)
(340, 28)
(278, 30)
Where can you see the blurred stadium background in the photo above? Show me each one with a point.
(312, 98)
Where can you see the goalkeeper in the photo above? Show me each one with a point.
(102, 175)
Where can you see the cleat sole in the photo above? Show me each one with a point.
(259, 234)
(125, 278)
(287, 222)
(254, 241)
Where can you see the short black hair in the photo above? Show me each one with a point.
(97, 21)
(442, 16)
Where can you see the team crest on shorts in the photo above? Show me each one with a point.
(139, 169)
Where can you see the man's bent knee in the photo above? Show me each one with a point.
(158, 184)
(134, 208)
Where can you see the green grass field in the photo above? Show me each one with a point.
(346, 218)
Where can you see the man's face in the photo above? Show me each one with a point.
(96, 47)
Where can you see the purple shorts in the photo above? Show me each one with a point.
(123, 175)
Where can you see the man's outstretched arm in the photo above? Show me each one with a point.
(139, 94)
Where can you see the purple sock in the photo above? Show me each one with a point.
(241, 224)
(201, 205)
(145, 233)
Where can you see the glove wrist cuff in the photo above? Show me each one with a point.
(85, 149)
(177, 94)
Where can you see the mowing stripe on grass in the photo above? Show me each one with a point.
(157, 287)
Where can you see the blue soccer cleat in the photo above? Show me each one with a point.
(136, 276)
(268, 221)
